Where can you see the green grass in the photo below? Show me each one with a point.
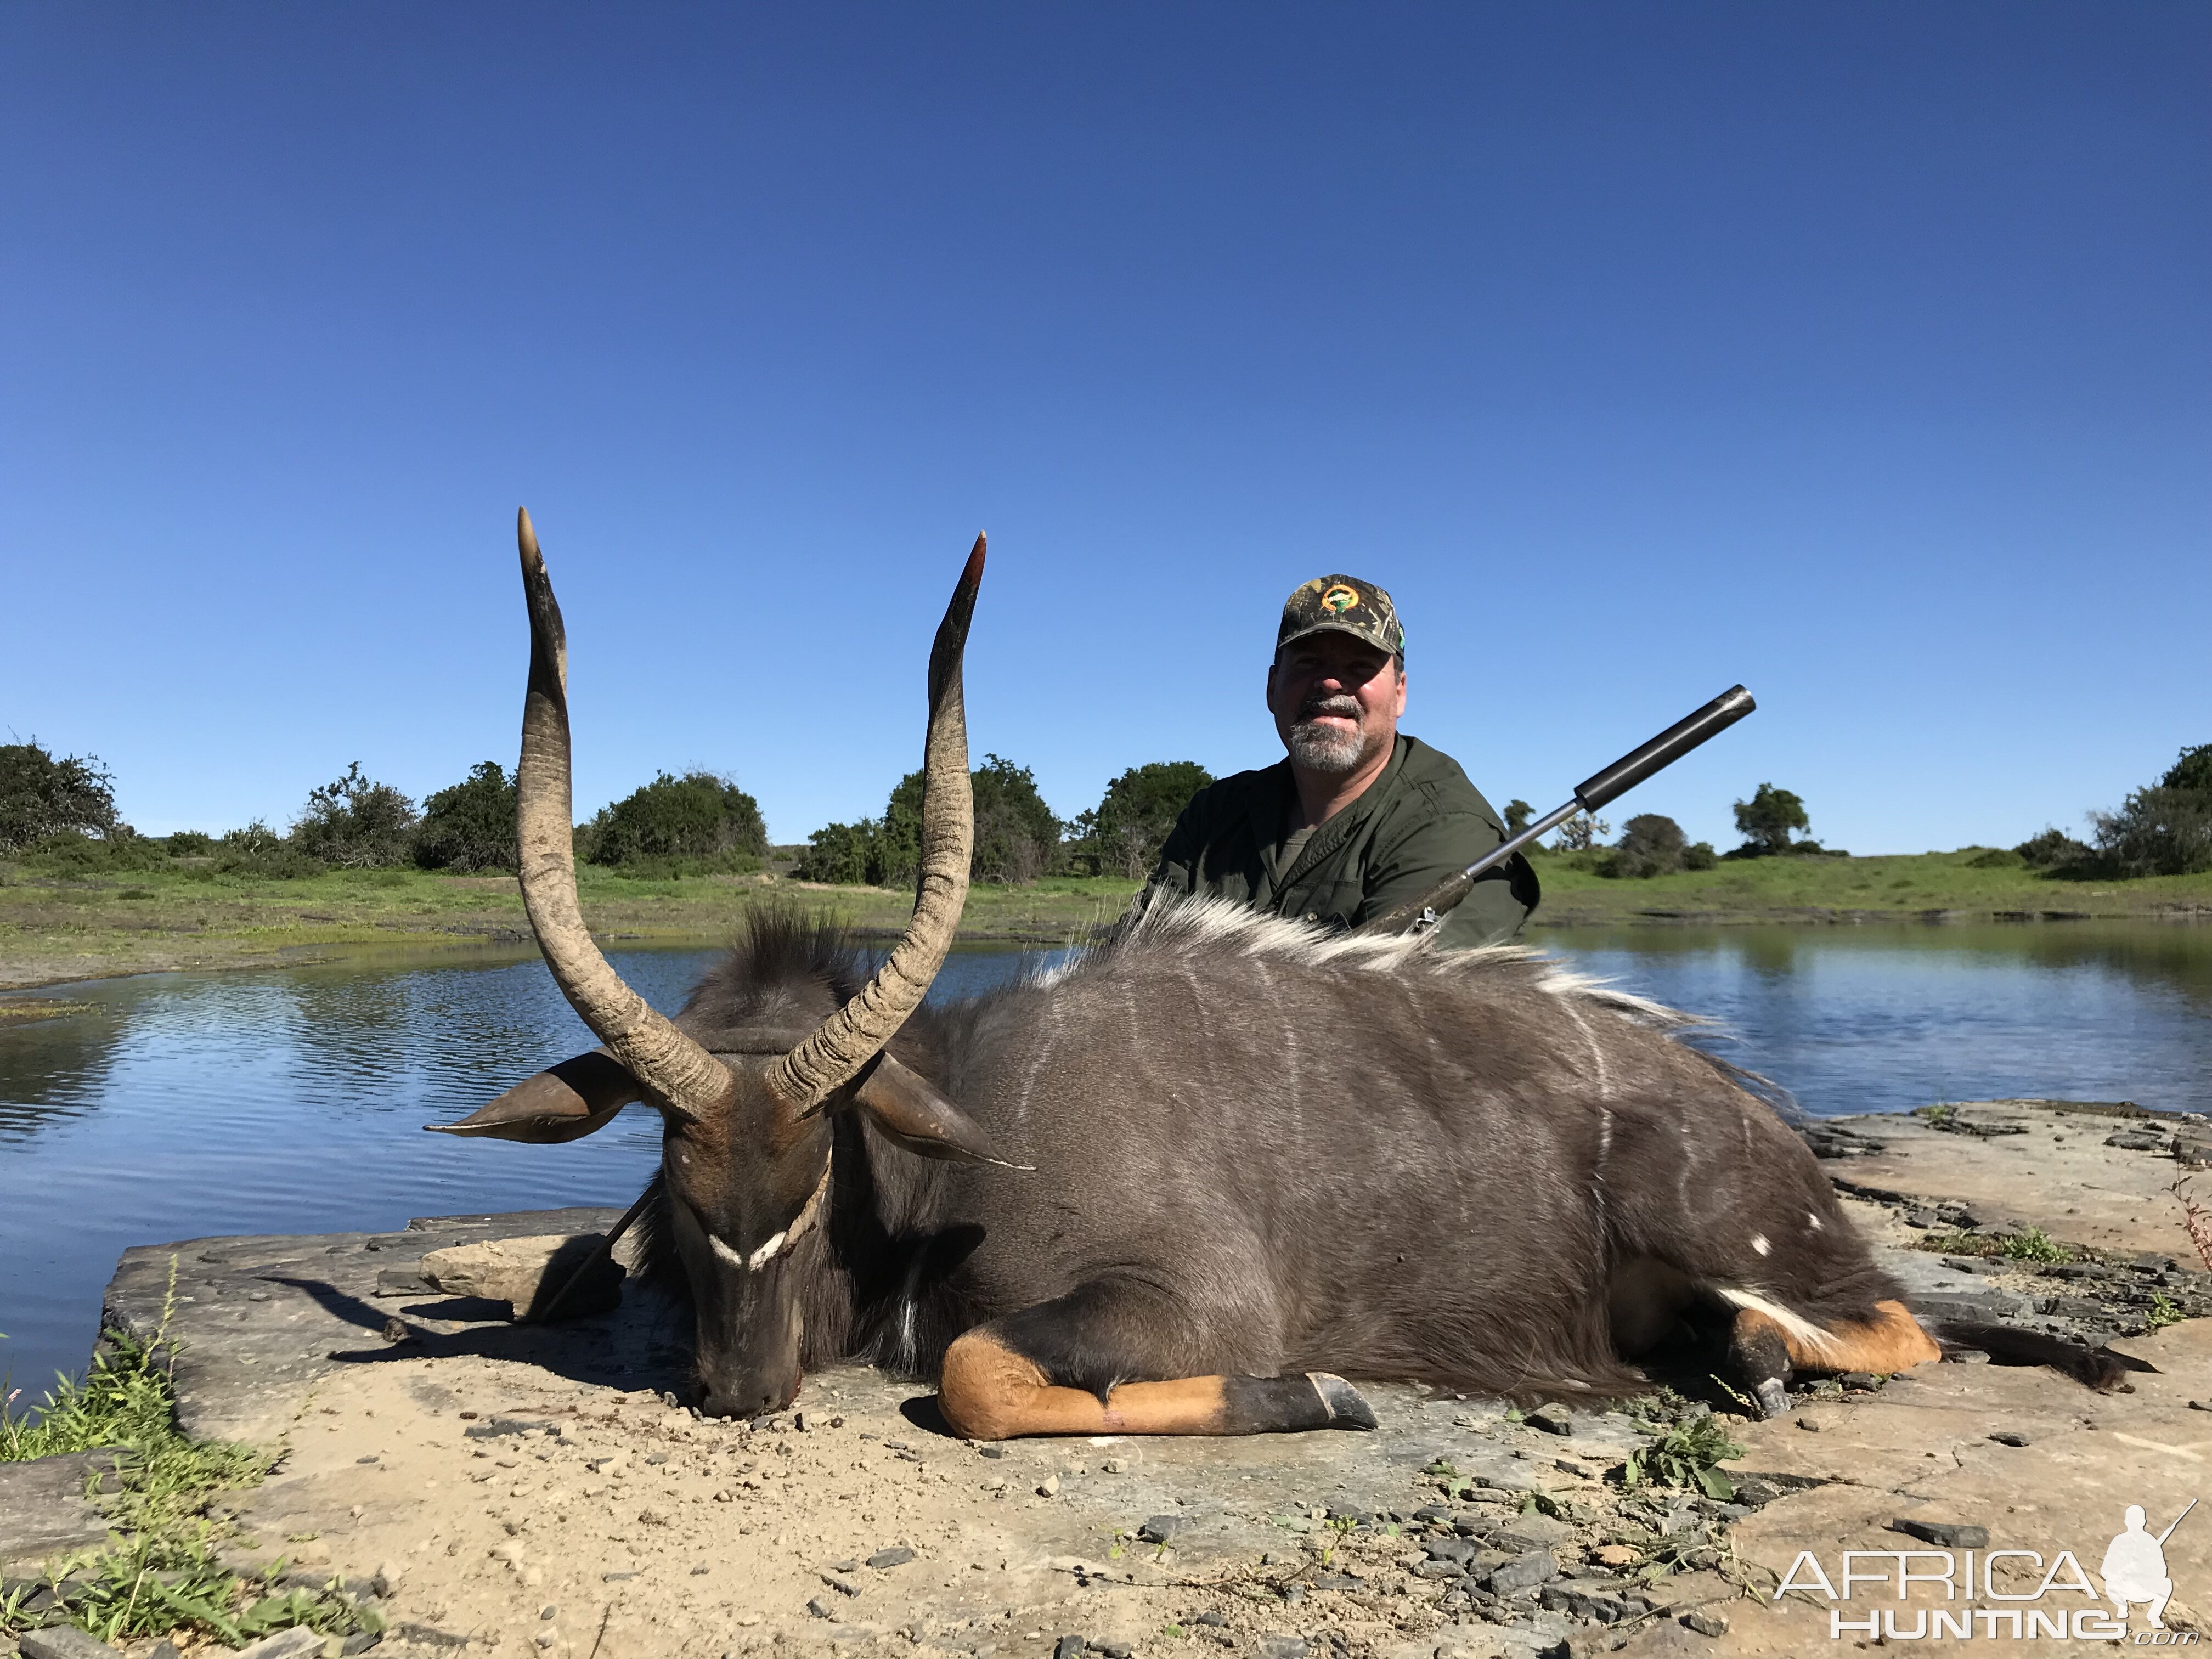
(159, 1574)
(2029, 1244)
(56, 926)
(1821, 888)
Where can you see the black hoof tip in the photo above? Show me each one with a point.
(1346, 1410)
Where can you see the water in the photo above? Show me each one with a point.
(184, 1105)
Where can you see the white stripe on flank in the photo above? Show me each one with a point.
(1759, 1242)
(1814, 1339)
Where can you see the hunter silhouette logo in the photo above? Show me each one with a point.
(1979, 1584)
(1339, 598)
(2135, 1566)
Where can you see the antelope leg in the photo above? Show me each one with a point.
(1055, 1369)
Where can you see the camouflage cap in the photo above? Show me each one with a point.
(1342, 604)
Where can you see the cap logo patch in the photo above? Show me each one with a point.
(1339, 598)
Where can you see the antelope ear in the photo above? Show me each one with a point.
(907, 1107)
(564, 1103)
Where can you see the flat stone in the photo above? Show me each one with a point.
(527, 1273)
(63, 1641)
(1163, 1528)
(896, 1556)
(1551, 1418)
(1524, 1571)
(1530, 1532)
(297, 1643)
(43, 1510)
(1706, 1624)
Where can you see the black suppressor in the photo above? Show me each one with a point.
(1593, 791)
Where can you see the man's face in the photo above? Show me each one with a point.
(1336, 701)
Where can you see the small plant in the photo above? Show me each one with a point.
(2196, 1218)
(2164, 1310)
(1940, 1114)
(2034, 1244)
(1685, 1457)
(162, 1575)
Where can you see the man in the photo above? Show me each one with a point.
(1358, 816)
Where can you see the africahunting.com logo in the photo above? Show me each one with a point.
(1980, 1587)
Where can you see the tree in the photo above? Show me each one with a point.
(355, 824)
(843, 853)
(1124, 834)
(1767, 819)
(1580, 833)
(1017, 837)
(1651, 845)
(470, 826)
(1517, 814)
(698, 818)
(41, 796)
(2165, 829)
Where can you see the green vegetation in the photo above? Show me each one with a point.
(41, 796)
(1018, 838)
(1652, 845)
(1684, 1456)
(696, 824)
(160, 1573)
(1765, 820)
(355, 824)
(1837, 887)
(2029, 1244)
(2165, 829)
(470, 826)
(1124, 834)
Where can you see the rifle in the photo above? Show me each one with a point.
(1421, 914)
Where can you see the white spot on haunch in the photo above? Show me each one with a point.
(766, 1254)
(1759, 1242)
(724, 1253)
(1816, 1339)
(1811, 1221)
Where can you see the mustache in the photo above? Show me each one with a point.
(1329, 703)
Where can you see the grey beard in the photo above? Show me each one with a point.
(1320, 749)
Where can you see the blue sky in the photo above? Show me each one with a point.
(1856, 353)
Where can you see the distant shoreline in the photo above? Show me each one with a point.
(61, 930)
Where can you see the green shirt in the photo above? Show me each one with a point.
(1419, 822)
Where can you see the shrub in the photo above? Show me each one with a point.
(1651, 845)
(1994, 858)
(695, 821)
(72, 853)
(1124, 834)
(841, 852)
(257, 850)
(470, 826)
(191, 843)
(41, 797)
(1017, 837)
(2167, 828)
(1700, 855)
(1767, 819)
(355, 824)
(2054, 849)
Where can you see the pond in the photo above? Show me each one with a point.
(184, 1105)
